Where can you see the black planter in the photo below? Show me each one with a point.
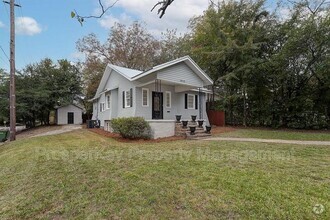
(200, 123)
(184, 124)
(193, 118)
(208, 129)
(178, 118)
(192, 130)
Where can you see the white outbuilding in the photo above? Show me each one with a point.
(69, 114)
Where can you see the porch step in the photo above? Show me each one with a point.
(199, 132)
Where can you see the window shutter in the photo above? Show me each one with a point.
(196, 101)
(123, 99)
(186, 101)
(131, 91)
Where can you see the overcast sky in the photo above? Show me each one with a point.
(44, 28)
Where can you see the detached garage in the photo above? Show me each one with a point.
(69, 114)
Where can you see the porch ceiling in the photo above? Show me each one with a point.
(178, 87)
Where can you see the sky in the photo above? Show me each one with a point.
(44, 28)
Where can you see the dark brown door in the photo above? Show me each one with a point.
(157, 105)
(70, 118)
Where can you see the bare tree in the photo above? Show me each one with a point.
(164, 4)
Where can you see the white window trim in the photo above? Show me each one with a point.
(128, 92)
(170, 104)
(145, 89)
(193, 101)
(106, 100)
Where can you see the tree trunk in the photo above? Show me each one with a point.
(244, 106)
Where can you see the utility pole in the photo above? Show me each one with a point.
(12, 87)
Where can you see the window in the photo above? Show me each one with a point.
(102, 106)
(191, 101)
(145, 97)
(127, 99)
(168, 99)
(107, 98)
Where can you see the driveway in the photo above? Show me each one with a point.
(64, 129)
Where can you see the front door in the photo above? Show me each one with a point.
(157, 105)
(70, 118)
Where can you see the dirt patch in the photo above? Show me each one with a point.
(220, 130)
(117, 137)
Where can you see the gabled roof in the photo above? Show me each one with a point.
(76, 105)
(187, 60)
(132, 74)
(126, 72)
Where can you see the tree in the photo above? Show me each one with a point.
(269, 71)
(43, 86)
(4, 96)
(303, 94)
(227, 41)
(131, 47)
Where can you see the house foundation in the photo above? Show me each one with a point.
(162, 128)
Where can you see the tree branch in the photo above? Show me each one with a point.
(162, 9)
(81, 18)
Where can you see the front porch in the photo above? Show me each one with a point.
(163, 100)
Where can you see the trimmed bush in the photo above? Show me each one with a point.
(132, 127)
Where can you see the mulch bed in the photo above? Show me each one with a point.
(117, 137)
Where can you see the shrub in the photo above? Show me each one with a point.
(132, 127)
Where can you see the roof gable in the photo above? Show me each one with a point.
(180, 73)
(75, 105)
(110, 69)
(187, 60)
(126, 72)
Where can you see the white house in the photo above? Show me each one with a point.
(158, 94)
(69, 114)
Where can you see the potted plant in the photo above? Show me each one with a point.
(178, 118)
(200, 123)
(208, 129)
(192, 130)
(184, 124)
(193, 118)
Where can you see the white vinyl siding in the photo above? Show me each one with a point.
(102, 104)
(127, 99)
(168, 99)
(180, 73)
(145, 97)
(191, 101)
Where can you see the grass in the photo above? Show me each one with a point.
(81, 175)
(278, 134)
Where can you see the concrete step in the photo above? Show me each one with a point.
(198, 136)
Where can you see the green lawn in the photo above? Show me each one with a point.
(85, 176)
(278, 134)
